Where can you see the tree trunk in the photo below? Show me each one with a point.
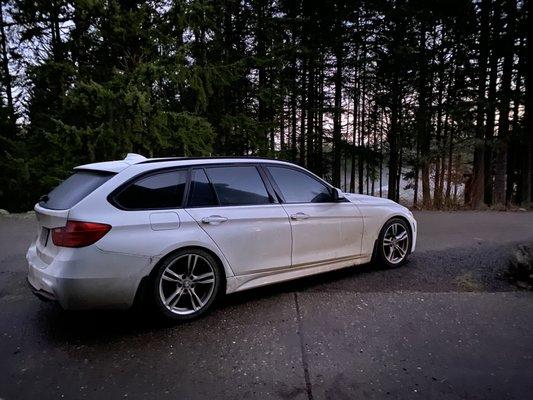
(354, 130)
(381, 156)
(478, 182)
(310, 117)
(450, 169)
(282, 128)
(514, 149)
(400, 163)
(310, 44)
(303, 109)
(422, 119)
(491, 106)
(374, 144)
(56, 42)
(392, 138)
(416, 179)
(337, 116)
(261, 49)
(320, 124)
(437, 192)
(293, 85)
(500, 163)
(362, 128)
(294, 148)
(6, 75)
(445, 139)
(527, 163)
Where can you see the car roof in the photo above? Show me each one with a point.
(135, 159)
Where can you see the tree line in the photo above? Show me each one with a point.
(381, 97)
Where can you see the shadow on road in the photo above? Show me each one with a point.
(92, 326)
(479, 269)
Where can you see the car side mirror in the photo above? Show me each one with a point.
(338, 195)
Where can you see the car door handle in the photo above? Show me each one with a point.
(299, 216)
(214, 219)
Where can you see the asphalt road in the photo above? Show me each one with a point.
(446, 325)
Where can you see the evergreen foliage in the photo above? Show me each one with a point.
(349, 89)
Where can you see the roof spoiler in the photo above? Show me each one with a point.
(133, 158)
(114, 166)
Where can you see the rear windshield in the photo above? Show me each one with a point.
(74, 189)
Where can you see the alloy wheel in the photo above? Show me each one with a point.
(187, 284)
(396, 243)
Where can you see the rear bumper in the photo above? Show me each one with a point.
(41, 293)
(87, 278)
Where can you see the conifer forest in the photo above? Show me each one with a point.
(423, 102)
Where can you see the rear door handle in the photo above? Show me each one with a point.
(214, 219)
(299, 216)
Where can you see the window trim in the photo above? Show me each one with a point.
(273, 196)
(111, 197)
(266, 182)
(278, 191)
(213, 191)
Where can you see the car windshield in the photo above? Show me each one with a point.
(74, 189)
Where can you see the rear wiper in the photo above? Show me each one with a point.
(44, 198)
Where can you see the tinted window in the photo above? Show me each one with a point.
(238, 185)
(201, 192)
(74, 189)
(298, 187)
(162, 190)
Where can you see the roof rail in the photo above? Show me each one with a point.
(157, 160)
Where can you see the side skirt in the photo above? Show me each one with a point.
(249, 281)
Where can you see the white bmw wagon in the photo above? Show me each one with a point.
(184, 231)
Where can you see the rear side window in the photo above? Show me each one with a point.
(298, 187)
(160, 190)
(238, 185)
(74, 189)
(201, 193)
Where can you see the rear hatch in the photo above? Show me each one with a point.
(53, 209)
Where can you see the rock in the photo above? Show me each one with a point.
(523, 285)
(3, 212)
(521, 266)
(523, 257)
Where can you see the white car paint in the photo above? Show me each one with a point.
(253, 239)
(256, 245)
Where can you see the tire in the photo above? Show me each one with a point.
(400, 248)
(186, 284)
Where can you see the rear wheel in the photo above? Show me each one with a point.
(186, 284)
(393, 244)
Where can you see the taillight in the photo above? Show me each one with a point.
(79, 234)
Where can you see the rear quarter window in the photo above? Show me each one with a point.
(74, 189)
(154, 191)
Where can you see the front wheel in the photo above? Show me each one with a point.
(394, 243)
(186, 284)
